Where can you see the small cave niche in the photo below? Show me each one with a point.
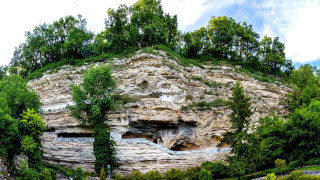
(185, 147)
(50, 129)
(130, 135)
(74, 135)
(144, 84)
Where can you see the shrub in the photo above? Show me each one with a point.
(30, 174)
(189, 97)
(280, 163)
(53, 173)
(153, 175)
(271, 176)
(23, 166)
(295, 174)
(174, 174)
(78, 174)
(205, 175)
(136, 175)
(192, 173)
(217, 168)
(118, 177)
(102, 174)
(45, 175)
(294, 164)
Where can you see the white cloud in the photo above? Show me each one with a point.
(296, 23)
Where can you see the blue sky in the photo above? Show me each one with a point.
(296, 22)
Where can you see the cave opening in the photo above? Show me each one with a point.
(74, 135)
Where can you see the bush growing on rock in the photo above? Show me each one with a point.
(102, 174)
(174, 174)
(280, 163)
(136, 175)
(217, 168)
(153, 175)
(192, 173)
(271, 176)
(45, 175)
(30, 174)
(205, 175)
(79, 173)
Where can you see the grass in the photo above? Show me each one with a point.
(180, 59)
(122, 100)
(314, 168)
(203, 105)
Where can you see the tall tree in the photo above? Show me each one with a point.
(93, 100)
(242, 143)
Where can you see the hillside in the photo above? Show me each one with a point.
(173, 118)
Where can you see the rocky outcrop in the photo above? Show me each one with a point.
(160, 91)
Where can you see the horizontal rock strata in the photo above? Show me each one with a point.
(161, 90)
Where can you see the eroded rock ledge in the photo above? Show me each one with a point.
(162, 87)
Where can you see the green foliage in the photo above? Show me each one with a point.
(118, 177)
(136, 175)
(271, 176)
(280, 163)
(218, 169)
(94, 97)
(78, 174)
(8, 129)
(3, 70)
(192, 173)
(45, 175)
(15, 91)
(205, 175)
(32, 125)
(93, 100)
(30, 174)
(28, 145)
(153, 175)
(189, 97)
(103, 148)
(244, 145)
(202, 105)
(65, 38)
(103, 174)
(241, 109)
(174, 174)
(295, 174)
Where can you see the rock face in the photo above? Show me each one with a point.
(156, 130)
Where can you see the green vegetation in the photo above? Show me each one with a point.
(144, 25)
(202, 105)
(93, 100)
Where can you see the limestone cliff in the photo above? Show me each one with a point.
(156, 131)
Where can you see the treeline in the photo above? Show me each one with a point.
(145, 24)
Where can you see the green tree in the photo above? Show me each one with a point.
(242, 143)
(31, 128)
(272, 55)
(19, 98)
(222, 31)
(8, 129)
(103, 174)
(303, 130)
(93, 100)
(272, 139)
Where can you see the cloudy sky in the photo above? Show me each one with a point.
(296, 22)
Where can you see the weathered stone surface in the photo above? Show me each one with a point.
(161, 86)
